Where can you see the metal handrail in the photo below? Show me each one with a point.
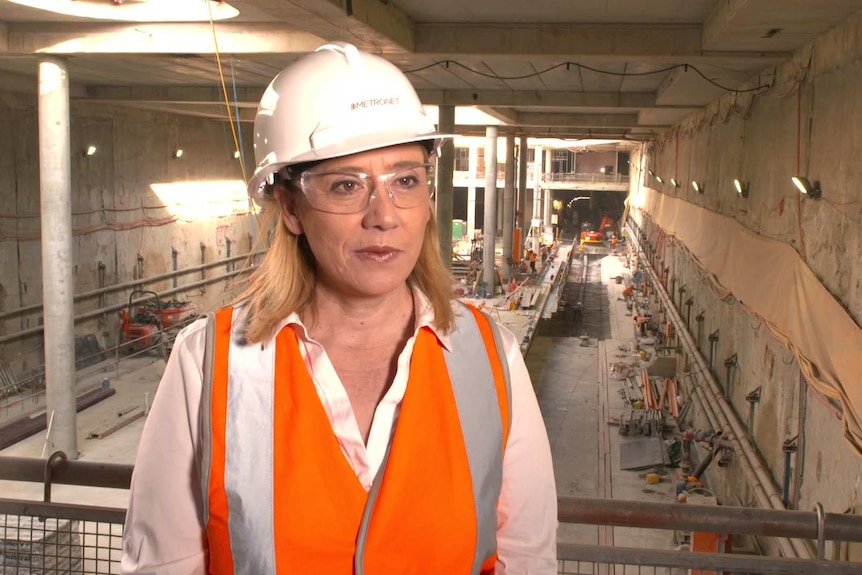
(583, 510)
(133, 283)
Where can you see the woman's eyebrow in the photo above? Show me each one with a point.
(392, 167)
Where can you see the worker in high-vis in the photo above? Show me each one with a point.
(345, 414)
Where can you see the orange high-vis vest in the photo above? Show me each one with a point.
(281, 498)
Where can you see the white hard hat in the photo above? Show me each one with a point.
(334, 102)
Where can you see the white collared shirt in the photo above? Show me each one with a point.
(164, 534)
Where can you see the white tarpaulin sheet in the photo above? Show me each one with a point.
(771, 280)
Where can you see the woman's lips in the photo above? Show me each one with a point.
(378, 253)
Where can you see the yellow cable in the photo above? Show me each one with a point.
(224, 91)
(251, 207)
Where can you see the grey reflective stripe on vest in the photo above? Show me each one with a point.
(249, 454)
(362, 536)
(206, 415)
(479, 411)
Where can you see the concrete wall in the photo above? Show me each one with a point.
(808, 122)
(117, 213)
(593, 162)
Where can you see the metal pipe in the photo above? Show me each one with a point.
(698, 561)
(790, 447)
(721, 518)
(758, 477)
(94, 313)
(713, 340)
(729, 364)
(63, 471)
(134, 283)
(800, 444)
(688, 303)
(55, 191)
(175, 264)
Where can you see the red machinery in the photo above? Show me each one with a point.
(607, 230)
(147, 323)
(591, 236)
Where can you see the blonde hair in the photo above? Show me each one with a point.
(284, 281)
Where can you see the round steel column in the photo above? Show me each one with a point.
(55, 188)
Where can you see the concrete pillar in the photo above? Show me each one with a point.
(548, 192)
(55, 188)
(508, 207)
(473, 161)
(537, 188)
(528, 212)
(445, 185)
(490, 226)
(523, 220)
(499, 218)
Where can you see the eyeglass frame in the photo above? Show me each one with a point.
(298, 177)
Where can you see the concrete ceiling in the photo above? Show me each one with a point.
(623, 69)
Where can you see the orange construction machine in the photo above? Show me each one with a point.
(606, 231)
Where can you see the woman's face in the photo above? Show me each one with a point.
(372, 252)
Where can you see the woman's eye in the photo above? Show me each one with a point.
(345, 186)
(407, 182)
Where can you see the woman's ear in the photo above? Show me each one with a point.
(287, 203)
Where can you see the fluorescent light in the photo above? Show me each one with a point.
(805, 186)
(140, 11)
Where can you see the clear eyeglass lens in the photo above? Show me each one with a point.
(349, 192)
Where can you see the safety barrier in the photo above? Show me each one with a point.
(46, 537)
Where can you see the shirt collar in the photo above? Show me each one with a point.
(422, 310)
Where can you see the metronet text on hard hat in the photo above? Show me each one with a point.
(374, 102)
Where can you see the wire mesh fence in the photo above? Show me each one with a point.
(591, 568)
(55, 539)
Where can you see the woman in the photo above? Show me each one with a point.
(345, 415)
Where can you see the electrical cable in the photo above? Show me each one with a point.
(580, 67)
(224, 91)
(254, 223)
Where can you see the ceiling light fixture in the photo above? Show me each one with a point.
(91, 150)
(178, 153)
(650, 172)
(805, 186)
(741, 187)
(236, 154)
(674, 182)
(140, 11)
(698, 187)
(659, 179)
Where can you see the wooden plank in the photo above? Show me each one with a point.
(116, 424)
